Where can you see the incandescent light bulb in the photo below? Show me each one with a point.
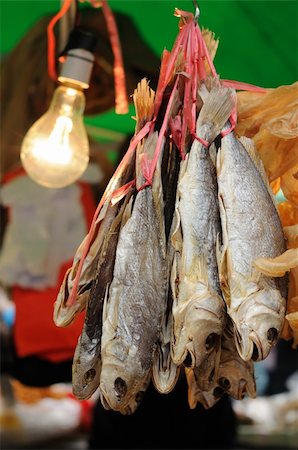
(55, 150)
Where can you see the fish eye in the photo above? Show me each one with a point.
(211, 341)
(90, 375)
(140, 396)
(272, 334)
(218, 392)
(120, 387)
(224, 383)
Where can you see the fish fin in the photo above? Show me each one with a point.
(216, 110)
(176, 231)
(193, 390)
(211, 43)
(127, 212)
(143, 98)
(103, 210)
(200, 269)
(277, 267)
(140, 180)
(249, 146)
(174, 278)
(158, 199)
(213, 153)
(203, 91)
(222, 254)
(105, 304)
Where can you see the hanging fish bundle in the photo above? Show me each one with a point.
(171, 274)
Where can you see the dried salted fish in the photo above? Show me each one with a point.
(251, 229)
(137, 297)
(199, 311)
(165, 372)
(87, 358)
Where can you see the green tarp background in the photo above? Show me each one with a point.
(258, 39)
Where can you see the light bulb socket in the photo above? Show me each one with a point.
(80, 38)
(78, 58)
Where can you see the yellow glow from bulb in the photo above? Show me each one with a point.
(55, 149)
(72, 92)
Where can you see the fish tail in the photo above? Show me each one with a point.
(216, 110)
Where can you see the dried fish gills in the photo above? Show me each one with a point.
(251, 229)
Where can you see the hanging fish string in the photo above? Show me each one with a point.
(166, 295)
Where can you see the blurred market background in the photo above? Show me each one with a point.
(257, 44)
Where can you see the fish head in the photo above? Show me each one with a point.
(200, 334)
(120, 390)
(85, 373)
(235, 376)
(258, 323)
(197, 395)
(85, 380)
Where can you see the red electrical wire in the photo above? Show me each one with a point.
(121, 102)
(52, 40)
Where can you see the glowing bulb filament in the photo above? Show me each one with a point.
(55, 149)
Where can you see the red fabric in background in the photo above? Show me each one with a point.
(35, 333)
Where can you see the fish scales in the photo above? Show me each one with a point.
(87, 358)
(135, 306)
(252, 229)
(199, 311)
(256, 213)
(200, 219)
(139, 246)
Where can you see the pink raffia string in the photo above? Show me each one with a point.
(186, 116)
(175, 129)
(168, 67)
(120, 193)
(240, 86)
(233, 122)
(121, 102)
(201, 140)
(186, 16)
(108, 192)
(201, 54)
(191, 107)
